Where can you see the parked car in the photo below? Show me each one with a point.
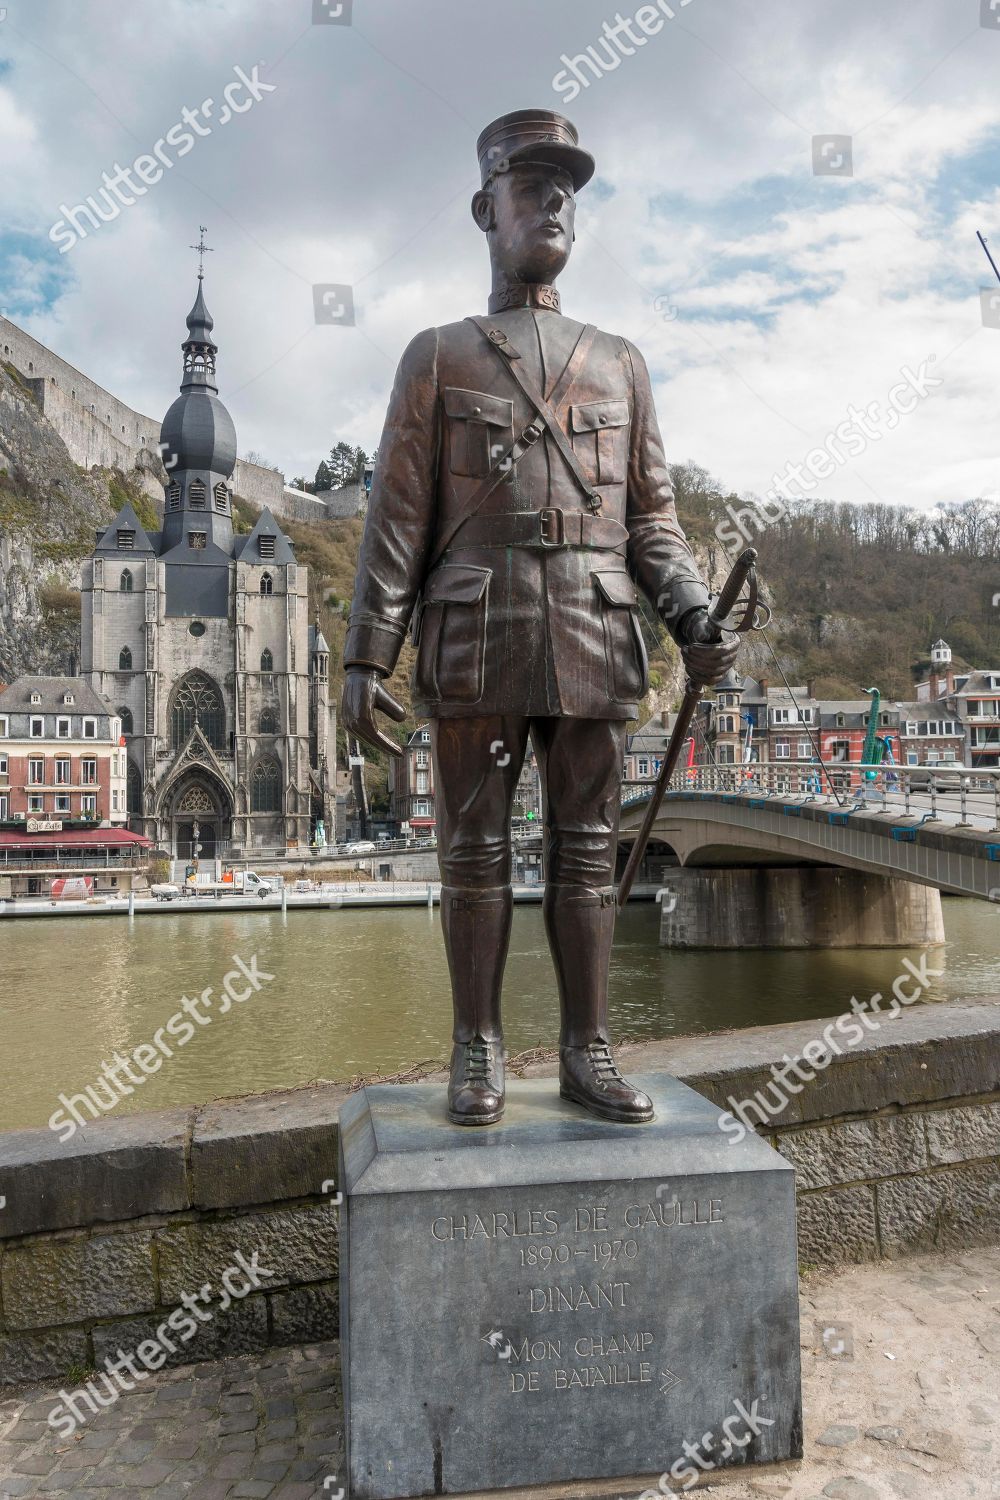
(361, 846)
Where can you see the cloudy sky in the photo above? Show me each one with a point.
(770, 299)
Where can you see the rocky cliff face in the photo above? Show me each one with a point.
(49, 512)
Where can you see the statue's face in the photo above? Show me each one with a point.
(529, 217)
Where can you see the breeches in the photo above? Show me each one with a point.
(477, 762)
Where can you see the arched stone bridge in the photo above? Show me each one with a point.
(933, 828)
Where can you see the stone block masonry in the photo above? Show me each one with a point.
(896, 1145)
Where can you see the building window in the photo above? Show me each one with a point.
(266, 661)
(90, 729)
(727, 755)
(63, 776)
(37, 729)
(36, 804)
(36, 771)
(268, 721)
(134, 789)
(221, 497)
(4, 726)
(68, 698)
(128, 726)
(125, 660)
(3, 765)
(197, 627)
(62, 729)
(198, 540)
(196, 494)
(88, 772)
(805, 750)
(36, 697)
(423, 783)
(125, 581)
(4, 809)
(782, 750)
(198, 701)
(265, 544)
(126, 541)
(173, 495)
(266, 583)
(88, 806)
(265, 786)
(62, 802)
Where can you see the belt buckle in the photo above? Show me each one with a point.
(551, 530)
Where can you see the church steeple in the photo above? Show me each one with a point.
(198, 444)
(199, 347)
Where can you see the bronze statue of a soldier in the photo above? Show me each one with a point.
(521, 496)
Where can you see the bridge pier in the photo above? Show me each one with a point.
(806, 906)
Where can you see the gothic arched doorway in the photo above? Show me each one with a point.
(199, 819)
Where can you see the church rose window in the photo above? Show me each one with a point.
(265, 785)
(197, 701)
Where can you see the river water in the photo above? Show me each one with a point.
(357, 991)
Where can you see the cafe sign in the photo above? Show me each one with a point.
(42, 825)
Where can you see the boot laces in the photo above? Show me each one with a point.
(478, 1061)
(602, 1063)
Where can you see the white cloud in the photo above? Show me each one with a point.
(795, 294)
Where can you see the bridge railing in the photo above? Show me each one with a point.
(965, 796)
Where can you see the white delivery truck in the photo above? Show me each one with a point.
(232, 883)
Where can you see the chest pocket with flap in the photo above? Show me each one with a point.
(480, 429)
(600, 436)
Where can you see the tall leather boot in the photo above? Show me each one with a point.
(476, 925)
(580, 923)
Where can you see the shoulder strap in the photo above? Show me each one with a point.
(511, 357)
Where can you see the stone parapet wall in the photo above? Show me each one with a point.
(896, 1143)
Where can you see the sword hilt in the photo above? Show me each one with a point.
(742, 574)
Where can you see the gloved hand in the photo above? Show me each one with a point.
(708, 653)
(363, 696)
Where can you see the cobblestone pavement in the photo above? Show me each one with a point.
(901, 1375)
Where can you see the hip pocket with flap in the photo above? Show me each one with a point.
(452, 654)
(624, 649)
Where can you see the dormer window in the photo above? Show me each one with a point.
(36, 697)
(68, 698)
(265, 544)
(196, 494)
(126, 540)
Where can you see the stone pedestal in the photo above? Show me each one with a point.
(808, 906)
(554, 1298)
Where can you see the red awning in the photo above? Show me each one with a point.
(75, 838)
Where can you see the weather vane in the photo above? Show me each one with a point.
(202, 250)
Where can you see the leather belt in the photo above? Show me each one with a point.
(550, 529)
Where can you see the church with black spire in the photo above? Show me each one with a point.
(201, 638)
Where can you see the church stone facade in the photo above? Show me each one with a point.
(200, 637)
